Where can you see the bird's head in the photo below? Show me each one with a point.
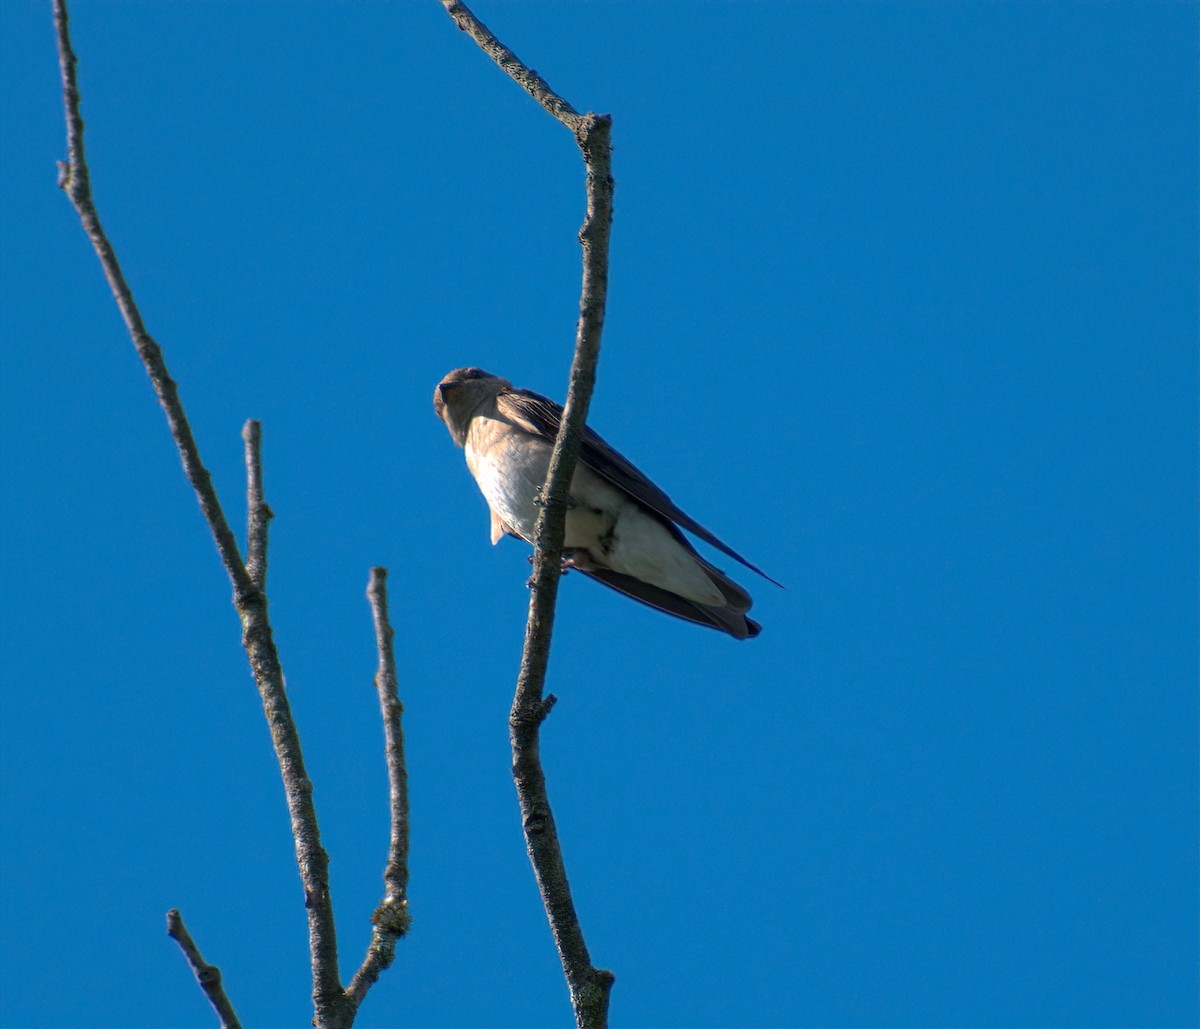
(461, 395)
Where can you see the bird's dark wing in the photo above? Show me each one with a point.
(724, 619)
(541, 416)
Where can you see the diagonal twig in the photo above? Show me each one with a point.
(590, 986)
(208, 976)
(391, 919)
(74, 179)
(528, 79)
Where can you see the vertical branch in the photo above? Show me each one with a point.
(391, 919)
(590, 987)
(258, 515)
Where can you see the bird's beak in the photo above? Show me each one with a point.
(441, 396)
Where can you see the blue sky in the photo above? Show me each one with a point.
(903, 307)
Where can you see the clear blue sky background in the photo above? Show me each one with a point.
(903, 306)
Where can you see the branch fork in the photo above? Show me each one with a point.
(334, 1006)
(590, 986)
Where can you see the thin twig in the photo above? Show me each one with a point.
(258, 515)
(208, 976)
(528, 79)
(391, 919)
(330, 1001)
(590, 986)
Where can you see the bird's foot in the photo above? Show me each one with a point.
(568, 562)
(539, 499)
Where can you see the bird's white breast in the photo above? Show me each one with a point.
(510, 467)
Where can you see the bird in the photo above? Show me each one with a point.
(621, 529)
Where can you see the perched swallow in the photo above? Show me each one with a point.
(622, 530)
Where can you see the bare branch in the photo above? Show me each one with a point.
(330, 1001)
(526, 78)
(76, 182)
(590, 987)
(258, 515)
(208, 976)
(391, 919)
(331, 1005)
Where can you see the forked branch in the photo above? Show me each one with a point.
(590, 986)
(333, 1005)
